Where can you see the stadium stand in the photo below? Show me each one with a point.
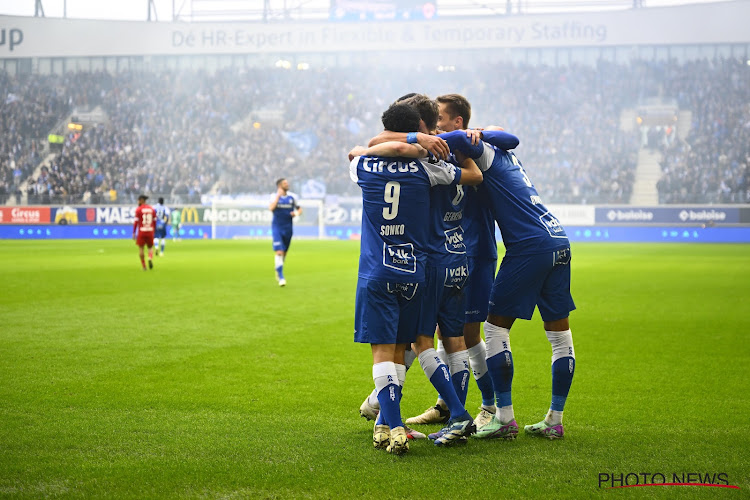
(184, 133)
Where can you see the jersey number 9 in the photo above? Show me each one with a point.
(391, 196)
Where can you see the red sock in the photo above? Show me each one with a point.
(151, 254)
(143, 261)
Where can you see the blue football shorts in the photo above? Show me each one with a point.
(282, 238)
(524, 282)
(443, 300)
(387, 313)
(160, 232)
(478, 288)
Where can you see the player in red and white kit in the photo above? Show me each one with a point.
(143, 230)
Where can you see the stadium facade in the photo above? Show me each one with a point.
(51, 45)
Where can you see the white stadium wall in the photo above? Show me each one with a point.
(715, 23)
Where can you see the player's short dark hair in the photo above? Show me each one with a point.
(279, 181)
(427, 108)
(161, 200)
(405, 97)
(456, 105)
(401, 117)
(142, 197)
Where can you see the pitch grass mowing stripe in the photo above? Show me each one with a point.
(203, 378)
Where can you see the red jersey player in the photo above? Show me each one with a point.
(143, 230)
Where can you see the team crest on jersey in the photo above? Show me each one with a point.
(454, 240)
(400, 257)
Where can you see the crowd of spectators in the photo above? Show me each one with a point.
(182, 134)
(712, 165)
(29, 108)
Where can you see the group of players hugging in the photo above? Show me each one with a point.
(432, 192)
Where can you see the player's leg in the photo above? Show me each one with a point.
(409, 296)
(563, 367)
(438, 373)
(385, 377)
(278, 262)
(376, 322)
(477, 351)
(556, 302)
(451, 330)
(370, 407)
(459, 423)
(279, 251)
(424, 346)
(156, 244)
(458, 364)
(514, 295)
(286, 239)
(500, 368)
(477, 293)
(150, 244)
(450, 319)
(141, 255)
(461, 426)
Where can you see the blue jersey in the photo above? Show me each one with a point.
(445, 244)
(396, 214)
(282, 214)
(479, 227)
(527, 226)
(162, 215)
(478, 224)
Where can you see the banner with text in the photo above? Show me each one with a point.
(709, 23)
(668, 215)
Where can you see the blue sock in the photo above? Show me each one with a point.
(447, 392)
(440, 379)
(500, 368)
(485, 387)
(562, 378)
(385, 376)
(389, 399)
(459, 366)
(380, 420)
(461, 385)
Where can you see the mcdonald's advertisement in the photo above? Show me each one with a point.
(124, 214)
(116, 221)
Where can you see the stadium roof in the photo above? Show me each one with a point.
(285, 10)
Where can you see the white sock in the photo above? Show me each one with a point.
(554, 417)
(458, 361)
(401, 372)
(384, 374)
(562, 344)
(441, 351)
(373, 399)
(498, 339)
(505, 414)
(478, 359)
(428, 362)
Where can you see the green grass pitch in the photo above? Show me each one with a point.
(204, 379)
